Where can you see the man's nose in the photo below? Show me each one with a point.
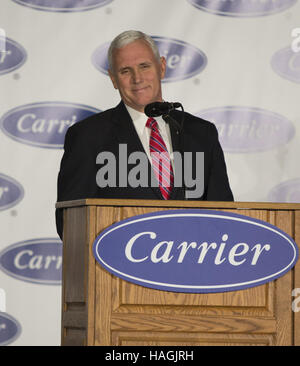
(137, 76)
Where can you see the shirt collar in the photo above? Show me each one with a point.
(140, 119)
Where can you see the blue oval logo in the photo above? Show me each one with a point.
(242, 8)
(288, 191)
(195, 251)
(249, 129)
(10, 329)
(286, 63)
(43, 124)
(63, 6)
(36, 261)
(183, 59)
(11, 192)
(13, 57)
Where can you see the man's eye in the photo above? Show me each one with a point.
(124, 71)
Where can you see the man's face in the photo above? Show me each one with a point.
(137, 74)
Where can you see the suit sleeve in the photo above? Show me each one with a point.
(218, 187)
(77, 175)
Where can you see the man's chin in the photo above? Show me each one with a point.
(141, 106)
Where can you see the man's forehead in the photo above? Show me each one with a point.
(136, 62)
(138, 50)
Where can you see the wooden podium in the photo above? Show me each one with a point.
(101, 309)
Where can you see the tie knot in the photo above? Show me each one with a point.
(151, 123)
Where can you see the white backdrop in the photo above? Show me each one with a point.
(228, 60)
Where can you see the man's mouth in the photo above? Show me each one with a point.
(140, 90)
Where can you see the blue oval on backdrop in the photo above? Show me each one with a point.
(10, 329)
(183, 60)
(43, 124)
(242, 8)
(249, 129)
(11, 192)
(288, 191)
(13, 57)
(35, 260)
(286, 63)
(63, 6)
(195, 251)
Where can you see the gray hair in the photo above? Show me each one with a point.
(127, 37)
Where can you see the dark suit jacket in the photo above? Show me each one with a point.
(106, 130)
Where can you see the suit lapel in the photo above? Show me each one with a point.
(125, 131)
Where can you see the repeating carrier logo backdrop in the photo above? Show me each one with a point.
(36, 261)
(242, 8)
(286, 63)
(43, 124)
(249, 129)
(13, 57)
(288, 191)
(183, 60)
(11, 192)
(10, 329)
(63, 5)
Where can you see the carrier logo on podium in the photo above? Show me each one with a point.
(195, 251)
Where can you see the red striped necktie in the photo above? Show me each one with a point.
(161, 161)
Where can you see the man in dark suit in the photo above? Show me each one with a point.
(136, 70)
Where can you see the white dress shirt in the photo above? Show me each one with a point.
(139, 120)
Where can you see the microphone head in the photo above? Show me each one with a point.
(155, 109)
(160, 108)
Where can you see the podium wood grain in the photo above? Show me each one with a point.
(101, 309)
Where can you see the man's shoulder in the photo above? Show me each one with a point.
(192, 122)
(198, 121)
(95, 121)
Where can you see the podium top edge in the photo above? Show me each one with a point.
(178, 204)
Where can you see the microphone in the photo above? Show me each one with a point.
(160, 108)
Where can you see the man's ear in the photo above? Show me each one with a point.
(113, 79)
(163, 66)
